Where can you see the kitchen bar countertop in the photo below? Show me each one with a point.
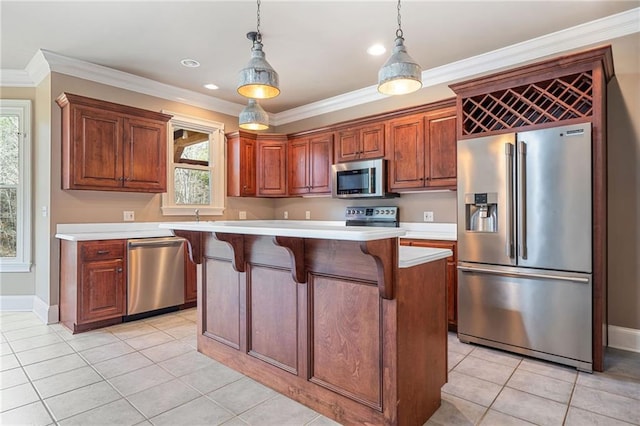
(290, 228)
(412, 256)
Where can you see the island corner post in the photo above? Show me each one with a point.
(333, 324)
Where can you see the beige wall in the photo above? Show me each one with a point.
(624, 191)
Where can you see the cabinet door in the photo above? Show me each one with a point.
(272, 168)
(372, 141)
(102, 290)
(452, 275)
(298, 166)
(241, 165)
(347, 145)
(95, 160)
(145, 155)
(406, 137)
(441, 156)
(319, 163)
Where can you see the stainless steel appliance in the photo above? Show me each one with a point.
(155, 274)
(386, 216)
(524, 241)
(360, 179)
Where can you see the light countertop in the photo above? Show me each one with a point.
(411, 256)
(110, 231)
(291, 228)
(126, 230)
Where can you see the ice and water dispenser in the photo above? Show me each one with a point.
(481, 212)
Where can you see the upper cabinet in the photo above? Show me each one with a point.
(423, 150)
(359, 143)
(272, 165)
(241, 164)
(309, 165)
(111, 147)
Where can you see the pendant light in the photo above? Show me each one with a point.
(258, 79)
(401, 74)
(253, 117)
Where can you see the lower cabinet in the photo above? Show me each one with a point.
(93, 281)
(452, 275)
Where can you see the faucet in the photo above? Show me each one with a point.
(197, 215)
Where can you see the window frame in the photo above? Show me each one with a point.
(22, 262)
(217, 167)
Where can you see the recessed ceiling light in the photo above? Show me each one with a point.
(190, 63)
(211, 86)
(376, 49)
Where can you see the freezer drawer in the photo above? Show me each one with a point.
(542, 313)
(155, 274)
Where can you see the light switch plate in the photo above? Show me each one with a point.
(307, 214)
(128, 216)
(242, 214)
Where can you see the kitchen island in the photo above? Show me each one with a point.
(338, 318)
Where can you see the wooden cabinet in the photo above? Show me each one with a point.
(309, 166)
(423, 151)
(451, 277)
(272, 166)
(360, 143)
(192, 249)
(241, 164)
(92, 283)
(111, 147)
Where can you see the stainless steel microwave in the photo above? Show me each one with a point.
(360, 179)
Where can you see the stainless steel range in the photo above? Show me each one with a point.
(386, 216)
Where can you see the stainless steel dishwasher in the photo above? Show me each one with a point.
(155, 273)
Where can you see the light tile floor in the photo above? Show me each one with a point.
(148, 372)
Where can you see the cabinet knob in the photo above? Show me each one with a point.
(118, 270)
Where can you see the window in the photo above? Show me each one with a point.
(195, 169)
(15, 185)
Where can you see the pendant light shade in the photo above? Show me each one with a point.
(401, 74)
(253, 117)
(258, 79)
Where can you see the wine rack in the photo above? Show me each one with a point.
(548, 101)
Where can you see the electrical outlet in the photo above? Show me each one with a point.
(286, 215)
(128, 216)
(428, 216)
(307, 214)
(242, 214)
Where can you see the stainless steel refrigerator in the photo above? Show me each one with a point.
(524, 241)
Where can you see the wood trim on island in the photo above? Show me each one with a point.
(333, 324)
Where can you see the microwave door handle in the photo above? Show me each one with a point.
(508, 151)
(372, 180)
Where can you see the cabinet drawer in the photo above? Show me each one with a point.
(102, 250)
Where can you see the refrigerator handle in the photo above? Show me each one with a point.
(508, 151)
(522, 207)
(516, 274)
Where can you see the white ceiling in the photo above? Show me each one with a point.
(317, 47)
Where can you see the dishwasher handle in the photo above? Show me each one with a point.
(161, 242)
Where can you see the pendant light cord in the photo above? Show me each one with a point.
(259, 35)
(398, 31)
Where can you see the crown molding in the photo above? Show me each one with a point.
(600, 30)
(123, 80)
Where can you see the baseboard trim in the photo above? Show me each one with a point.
(16, 303)
(624, 338)
(47, 314)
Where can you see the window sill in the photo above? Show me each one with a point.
(191, 211)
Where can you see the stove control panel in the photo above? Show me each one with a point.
(386, 213)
